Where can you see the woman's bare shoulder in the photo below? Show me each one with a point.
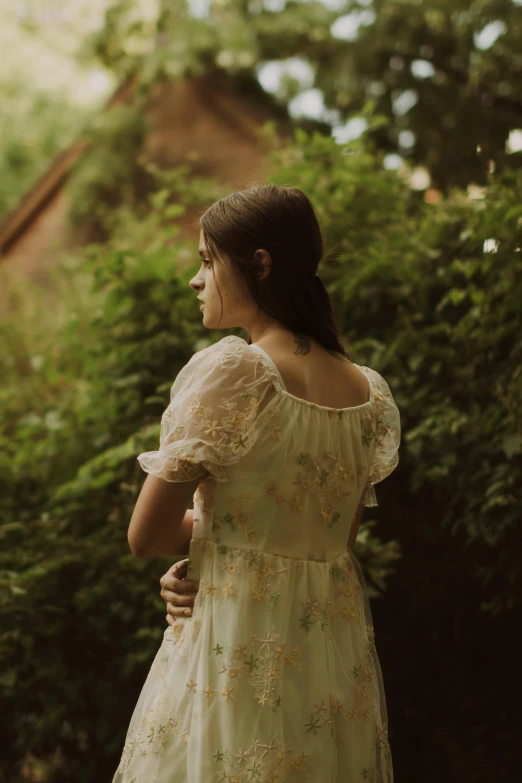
(313, 373)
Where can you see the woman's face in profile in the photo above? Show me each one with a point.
(215, 273)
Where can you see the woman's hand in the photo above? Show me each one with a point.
(178, 592)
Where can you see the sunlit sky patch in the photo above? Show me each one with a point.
(489, 34)
(346, 28)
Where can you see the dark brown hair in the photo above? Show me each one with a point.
(283, 221)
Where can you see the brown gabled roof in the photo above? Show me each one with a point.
(211, 120)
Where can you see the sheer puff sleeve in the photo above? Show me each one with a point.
(387, 437)
(212, 419)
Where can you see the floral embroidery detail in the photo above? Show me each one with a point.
(261, 762)
(263, 571)
(264, 660)
(232, 433)
(383, 428)
(346, 586)
(156, 726)
(211, 420)
(264, 663)
(328, 478)
(368, 428)
(259, 569)
(240, 519)
(270, 488)
(311, 611)
(382, 739)
(191, 686)
(369, 637)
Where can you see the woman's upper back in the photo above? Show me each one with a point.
(309, 372)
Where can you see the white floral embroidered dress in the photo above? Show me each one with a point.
(275, 677)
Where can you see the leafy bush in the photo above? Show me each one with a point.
(34, 128)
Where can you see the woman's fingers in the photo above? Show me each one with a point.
(174, 581)
(178, 569)
(178, 611)
(174, 611)
(177, 598)
(180, 586)
(178, 592)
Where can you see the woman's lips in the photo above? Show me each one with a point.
(201, 307)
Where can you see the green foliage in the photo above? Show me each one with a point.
(464, 89)
(419, 301)
(33, 130)
(109, 170)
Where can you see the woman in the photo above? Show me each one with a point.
(274, 676)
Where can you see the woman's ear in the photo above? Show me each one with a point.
(264, 264)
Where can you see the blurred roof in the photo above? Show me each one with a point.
(209, 123)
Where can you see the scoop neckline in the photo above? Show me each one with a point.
(308, 403)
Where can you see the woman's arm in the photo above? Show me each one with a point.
(185, 534)
(177, 545)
